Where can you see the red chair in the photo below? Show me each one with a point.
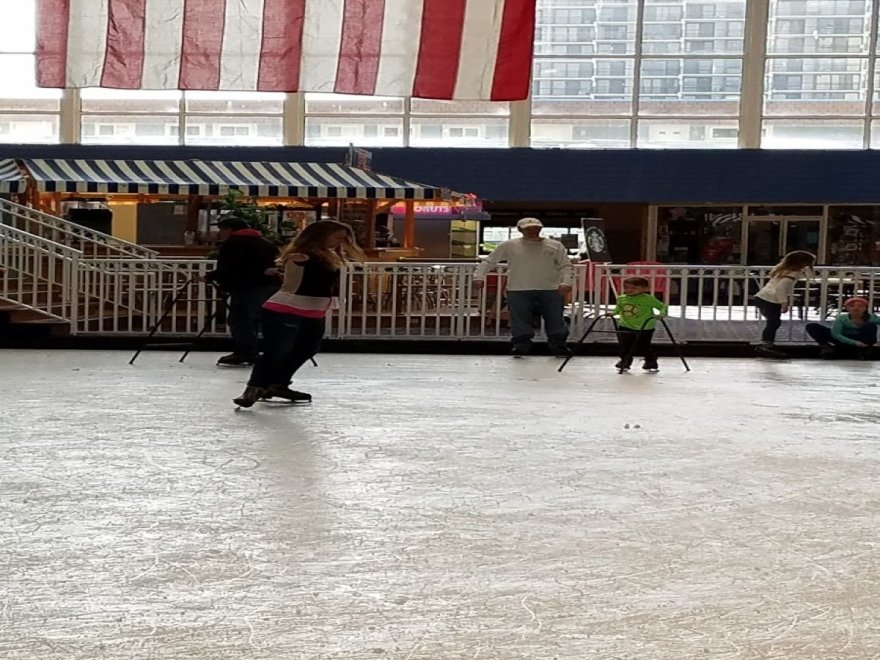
(657, 277)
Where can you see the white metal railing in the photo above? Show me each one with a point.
(707, 303)
(93, 244)
(407, 300)
(39, 274)
(714, 303)
(117, 296)
(106, 296)
(128, 296)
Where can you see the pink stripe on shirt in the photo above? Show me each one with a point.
(297, 311)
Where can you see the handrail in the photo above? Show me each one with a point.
(39, 274)
(92, 242)
(27, 237)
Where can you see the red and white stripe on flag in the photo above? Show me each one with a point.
(434, 49)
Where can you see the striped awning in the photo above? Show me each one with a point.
(11, 178)
(201, 177)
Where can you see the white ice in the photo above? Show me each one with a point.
(438, 508)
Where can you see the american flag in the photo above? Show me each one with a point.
(433, 49)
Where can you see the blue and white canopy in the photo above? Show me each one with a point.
(11, 178)
(200, 177)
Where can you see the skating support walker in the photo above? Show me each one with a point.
(629, 356)
(220, 301)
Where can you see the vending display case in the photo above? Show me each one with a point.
(464, 239)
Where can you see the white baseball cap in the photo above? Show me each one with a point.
(529, 222)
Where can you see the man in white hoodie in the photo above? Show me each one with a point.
(539, 276)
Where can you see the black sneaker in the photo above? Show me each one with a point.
(282, 392)
(651, 365)
(234, 360)
(519, 351)
(623, 365)
(767, 351)
(250, 396)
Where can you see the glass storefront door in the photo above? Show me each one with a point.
(764, 242)
(770, 237)
(803, 235)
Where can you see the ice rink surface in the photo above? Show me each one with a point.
(439, 508)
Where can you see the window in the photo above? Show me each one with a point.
(813, 134)
(364, 131)
(817, 68)
(699, 235)
(248, 118)
(30, 113)
(819, 35)
(234, 131)
(576, 105)
(338, 120)
(460, 132)
(853, 235)
(341, 131)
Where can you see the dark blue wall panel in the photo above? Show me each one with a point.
(538, 175)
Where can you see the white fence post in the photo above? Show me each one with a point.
(71, 290)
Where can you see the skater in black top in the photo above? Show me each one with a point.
(293, 318)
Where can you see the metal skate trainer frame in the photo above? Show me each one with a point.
(179, 296)
(632, 349)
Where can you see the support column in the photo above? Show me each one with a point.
(872, 68)
(751, 108)
(409, 225)
(371, 225)
(294, 120)
(70, 129)
(520, 128)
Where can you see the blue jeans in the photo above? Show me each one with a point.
(244, 318)
(289, 341)
(526, 307)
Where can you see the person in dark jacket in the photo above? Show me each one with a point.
(246, 271)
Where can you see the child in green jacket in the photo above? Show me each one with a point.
(853, 334)
(635, 329)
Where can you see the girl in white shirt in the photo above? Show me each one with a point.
(774, 298)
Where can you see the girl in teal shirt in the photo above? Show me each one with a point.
(853, 334)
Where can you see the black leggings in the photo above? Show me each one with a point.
(773, 313)
(636, 341)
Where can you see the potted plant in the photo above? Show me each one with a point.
(236, 203)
